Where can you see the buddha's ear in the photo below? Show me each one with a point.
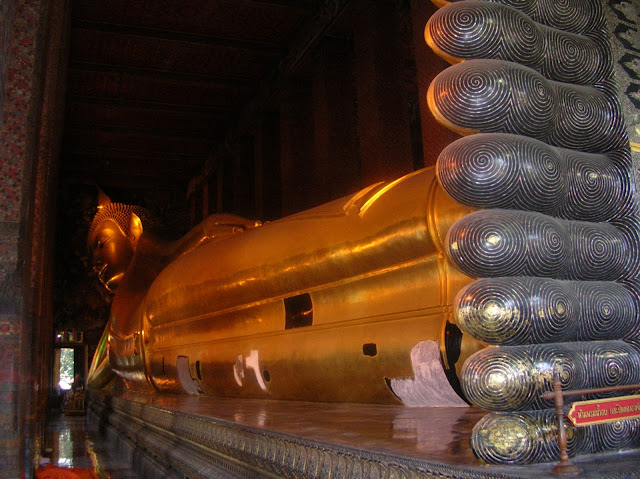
(103, 199)
(135, 228)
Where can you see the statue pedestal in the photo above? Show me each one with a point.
(204, 437)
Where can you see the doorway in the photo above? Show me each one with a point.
(70, 367)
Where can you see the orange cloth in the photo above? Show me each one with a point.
(55, 472)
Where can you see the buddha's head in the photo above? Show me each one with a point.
(113, 238)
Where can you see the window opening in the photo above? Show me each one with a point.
(298, 311)
(370, 349)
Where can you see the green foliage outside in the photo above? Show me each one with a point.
(66, 368)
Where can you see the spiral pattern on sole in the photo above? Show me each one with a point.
(493, 243)
(629, 227)
(498, 96)
(511, 378)
(496, 170)
(615, 436)
(481, 30)
(487, 379)
(525, 310)
(597, 189)
(585, 110)
(607, 310)
(600, 251)
(610, 363)
(584, 16)
(558, 243)
(520, 310)
(528, 437)
(525, 437)
(632, 285)
(490, 241)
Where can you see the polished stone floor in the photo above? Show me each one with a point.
(75, 445)
(436, 435)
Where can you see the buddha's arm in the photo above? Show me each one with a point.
(101, 373)
(213, 228)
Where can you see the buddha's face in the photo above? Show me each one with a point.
(111, 253)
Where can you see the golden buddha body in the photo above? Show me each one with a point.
(361, 299)
(349, 301)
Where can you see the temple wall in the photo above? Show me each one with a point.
(31, 116)
(17, 150)
(6, 22)
(352, 113)
(381, 46)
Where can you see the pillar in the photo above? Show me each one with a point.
(268, 181)
(296, 146)
(381, 56)
(336, 162)
(33, 51)
(244, 203)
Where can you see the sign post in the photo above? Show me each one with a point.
(586, 413)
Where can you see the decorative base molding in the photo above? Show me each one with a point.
(179, 437)
(184, 445)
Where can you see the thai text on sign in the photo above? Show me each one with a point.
(597, 411)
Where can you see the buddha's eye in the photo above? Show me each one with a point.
(101, 242)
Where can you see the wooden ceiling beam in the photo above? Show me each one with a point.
(96, 155)
(134, 51)
(123, 86)
(307, 37)
(178, 36)
(170, 174)
(139, 130)
(176, 122)
(104, 167)
(155, 73)
(296, 4)
(127, 164)
(147, 105)
(104, 140)
(126, 182)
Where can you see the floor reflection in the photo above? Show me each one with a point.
(437, 435)
(446, 434)
(74, 445)
(416, 432)
(64, 448)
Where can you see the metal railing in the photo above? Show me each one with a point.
(565, 467)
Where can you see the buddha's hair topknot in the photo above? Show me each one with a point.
(120, 213)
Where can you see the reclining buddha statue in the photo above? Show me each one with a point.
(513, 261)
(349, 301)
